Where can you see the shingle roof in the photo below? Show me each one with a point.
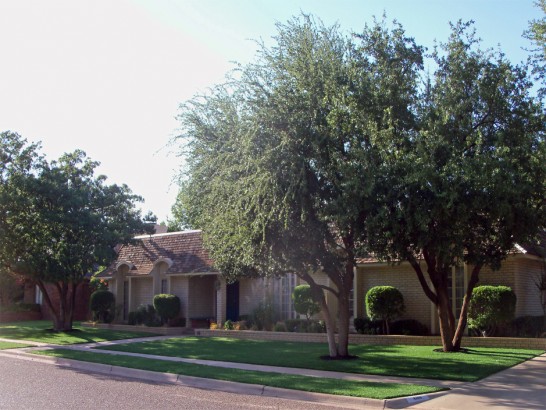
(185, 249)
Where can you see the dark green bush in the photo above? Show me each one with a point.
(304, 304)
(263, 316)
(384, 303)
(228, 325)
(528, 326)
(21, 307)
(367, 326)
(491, 307)
(103, 305)
(409, 327)
(305, 326)
(167, 306)
(144, 314)
(134, 318)
(177, 322)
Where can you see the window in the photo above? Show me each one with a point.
(456, 289)
(164, 286)
(286, 304)
(38, 299)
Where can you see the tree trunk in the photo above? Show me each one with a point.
(343, 327)
(330, 328)
(463, 317)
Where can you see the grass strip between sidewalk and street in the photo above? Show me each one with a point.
(11, 345)
(40, 331)
(372, 390)
(396, 360)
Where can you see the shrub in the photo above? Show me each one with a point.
(304, 326)
(280, 327)
(384, 303)
(103, 305)
(367, 326)
(528, 326)
(167, 306)
(228, 325)
(491, 306)
(177, 322)
(213, 326)
(263, 317)
(240, 325)
(144, 314)
(304, 304)
(409, 327)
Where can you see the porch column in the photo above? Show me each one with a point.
(221, 297)
(355, 292)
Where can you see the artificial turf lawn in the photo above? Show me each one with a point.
(11, 345)
(294, 382)
(40, 331)
(397, 360)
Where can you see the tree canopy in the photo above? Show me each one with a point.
(537, 34)
(329, 146)
(59, 221)
(281, 158)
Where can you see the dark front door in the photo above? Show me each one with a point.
(232, 302)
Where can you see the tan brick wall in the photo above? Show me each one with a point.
(517, 343)
(179, 286)
(202, 297)
(528, 302)
(252, 292)
(141, 292)
(402, 277)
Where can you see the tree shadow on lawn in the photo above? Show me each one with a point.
(404, 361)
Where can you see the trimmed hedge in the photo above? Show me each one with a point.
(167, 306)
(491, 307)
(384, 303)
(103, 304)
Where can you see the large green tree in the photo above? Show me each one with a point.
(59, 221)
(467, 184)
(537, 34)
(281, 162)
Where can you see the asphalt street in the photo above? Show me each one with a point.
(33, 385)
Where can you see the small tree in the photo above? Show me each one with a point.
(103, 304)
(167, 306)
(304, 304)
(384, 303)
(491, 306)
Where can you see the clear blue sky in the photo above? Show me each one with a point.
(107, 76)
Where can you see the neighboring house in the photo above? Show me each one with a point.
(177, 263)
(520, 271)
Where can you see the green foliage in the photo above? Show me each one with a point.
(490, 307)
(228, 325)
(384, 303)
(58, 220)
(537, 34)
(144, 315)
(305, 326)
(367, 326)
(408, 327)
(528, 326)
(466, 183)
(263, 317)
(11, 288)
(281, 161)
(304, 304)
(102, 303)
(166, 306)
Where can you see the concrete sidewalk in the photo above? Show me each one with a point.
(521, 387)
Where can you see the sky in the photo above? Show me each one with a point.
(108, 76)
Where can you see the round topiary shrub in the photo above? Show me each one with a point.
(490, 307)
(384, 303)
(304, 304)
(102, 304)
(167, 306)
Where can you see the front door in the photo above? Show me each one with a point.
(232, 302)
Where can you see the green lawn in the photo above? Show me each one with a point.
(294, 382)
(11, 345)
(40, 331)
(405, 361)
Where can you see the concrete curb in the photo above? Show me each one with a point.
(200, 383)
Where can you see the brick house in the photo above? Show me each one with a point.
(520, 271)
(177, 263)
